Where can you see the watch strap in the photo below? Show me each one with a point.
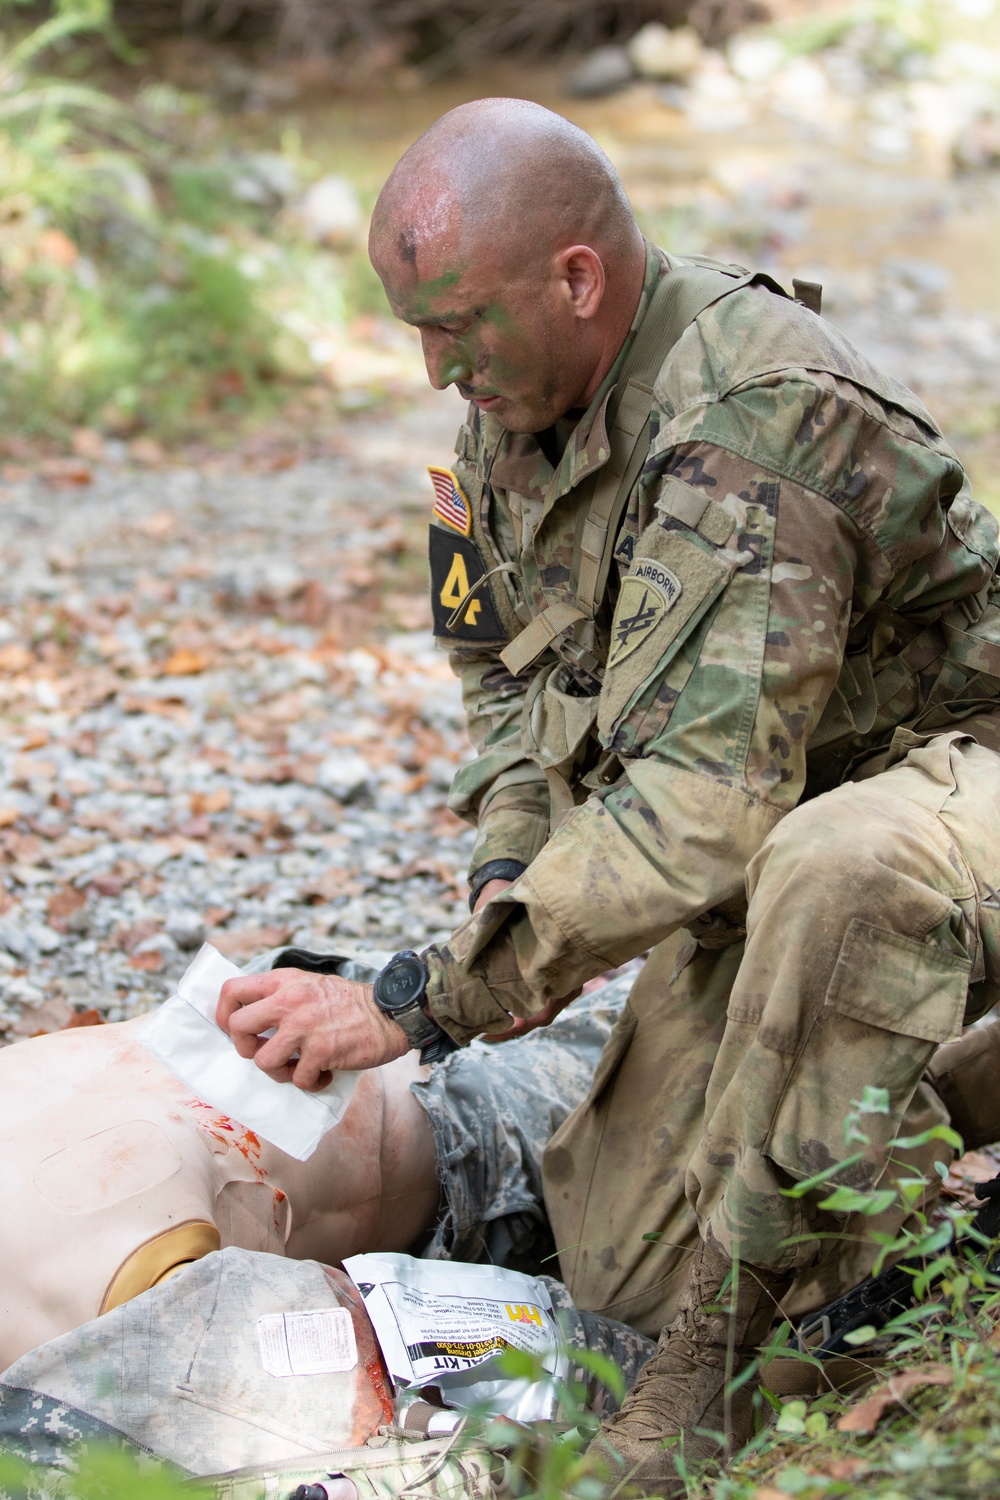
(418, 1026)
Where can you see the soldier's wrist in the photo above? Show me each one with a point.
(493, 869)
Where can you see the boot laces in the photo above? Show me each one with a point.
(697, 1339)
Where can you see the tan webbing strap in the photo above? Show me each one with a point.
(977, 653)
(678, 299)
(629, 425)
(542, 631)
(696, 510)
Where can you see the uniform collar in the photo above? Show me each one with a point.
(519, 465)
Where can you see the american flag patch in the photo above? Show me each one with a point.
(450, 505)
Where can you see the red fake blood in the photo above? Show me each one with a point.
(373, 1406)
(229, 1134)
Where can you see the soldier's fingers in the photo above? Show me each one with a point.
(309, 1075)
(236, 993)
(278, 1055)
(519, 1025)
(248, 1024)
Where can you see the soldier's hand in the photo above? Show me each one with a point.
(521, 1025)
(321, 1024)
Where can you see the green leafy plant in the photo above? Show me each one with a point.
(124, 283)
(103, 1473)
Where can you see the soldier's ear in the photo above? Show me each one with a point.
(581, 274)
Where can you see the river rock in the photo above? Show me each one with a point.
(664, 54)
(343, 774)
(264, 178)
(977, 147)
(329, 213)
(603, 71)
(186, 928)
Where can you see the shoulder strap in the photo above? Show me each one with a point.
(679, 297)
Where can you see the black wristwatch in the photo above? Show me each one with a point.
(399, 993)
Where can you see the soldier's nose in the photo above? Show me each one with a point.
(443, 366)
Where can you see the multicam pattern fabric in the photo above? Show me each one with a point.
(852, 594)
(439, 1469)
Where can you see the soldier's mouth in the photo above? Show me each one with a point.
(485, 400)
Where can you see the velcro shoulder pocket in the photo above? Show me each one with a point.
(675, 577)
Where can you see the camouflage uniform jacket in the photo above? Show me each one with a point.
(802, 582)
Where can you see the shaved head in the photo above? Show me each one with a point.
(510, 170)
(505, 235)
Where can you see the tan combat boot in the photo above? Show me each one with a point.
(965, 1074)
(714, 1336)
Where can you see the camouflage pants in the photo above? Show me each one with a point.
(872, 931)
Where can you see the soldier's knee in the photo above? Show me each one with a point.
(823, 859)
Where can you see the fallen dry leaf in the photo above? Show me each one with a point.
(973, 1167)
(14, 659)
(167, 708)
(211, 802)
(54, 245)
(39, 1020)
(329, 885)
(86, 443)
(131, 938)
(184, 663)
(151, 962)
(246, 941)
(865, 1415)
(159, 525)
(214, 916)
(25, 770)
(67, 471)
(89, 1017)
(846, 1468)
(146, 451)
(195, 828)
(445, 823)
(63, 903)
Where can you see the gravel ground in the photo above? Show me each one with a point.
(223, 716)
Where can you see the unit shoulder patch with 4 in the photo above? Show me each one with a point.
(456, 567)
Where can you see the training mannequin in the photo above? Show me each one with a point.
(117, 1175)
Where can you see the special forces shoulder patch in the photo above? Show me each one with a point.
(646, 595)
(451, 507)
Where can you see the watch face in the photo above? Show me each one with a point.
(401, 983)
